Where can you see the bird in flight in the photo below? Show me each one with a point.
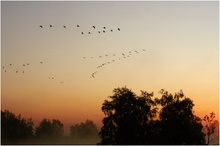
(64, 26)
(103, 31)
(16, 71)
(10, 64)
(77, 25)
(81, 32)
(50, 25)
(27, 63)
(93, 27)
(23, 71)
(41, 62)
(41, 26)
(3, 67)
(84, 57)
(89, 32)
(99, 32)
(119, 29)
(5, 70)
(111, 30)
(104, 27)
(23, 64)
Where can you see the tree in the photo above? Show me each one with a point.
(86, 132)
(48, 129)
(209, 126)
(178, 123)
(14, 128)
(128, 117)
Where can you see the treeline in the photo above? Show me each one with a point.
(132, 119)
(129, 119)
(17, 130)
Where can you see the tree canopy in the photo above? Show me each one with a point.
(131, 119)
(50, 129)
(127, 116)
(14, 127)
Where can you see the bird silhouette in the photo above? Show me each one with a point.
(27, 63)
(16, 71)
(99, 32)
(50, 25)
(104, 27)
(10, 64)
(93, 27)
(111, 30)
(23, 64)
(3, 67)
(41, 26)
(103, 31)
(64, 26)
(5, 70)
(23, 71)
(89, 32)
(143, 50)
(106, 55)
(81, 32)
(77, 25)
(119, 29)
(41, 62)
(84, 57)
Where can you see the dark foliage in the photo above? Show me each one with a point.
(85, 133)
(129, 119)
(14, 128)
(49, 130)
(178, 124)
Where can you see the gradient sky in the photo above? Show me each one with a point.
(180, 39)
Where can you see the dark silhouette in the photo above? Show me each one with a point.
(64, 26)
(178, 125)
(41, 26)
(85, 133)
(129, 119)
(50, 130)
(77, 25)
(126, 117)
(15, 129)
(50, 25)
(209, 126)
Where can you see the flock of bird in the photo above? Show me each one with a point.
(99, 30)
(120, 57)
(7, 68)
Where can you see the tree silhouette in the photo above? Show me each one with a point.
(127, 117)
(49, 130)
(87, 132)
(14, 128)
(178, 123)
(209, 126)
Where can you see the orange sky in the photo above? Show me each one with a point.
(180, 39)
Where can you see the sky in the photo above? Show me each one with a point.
(161, 45)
